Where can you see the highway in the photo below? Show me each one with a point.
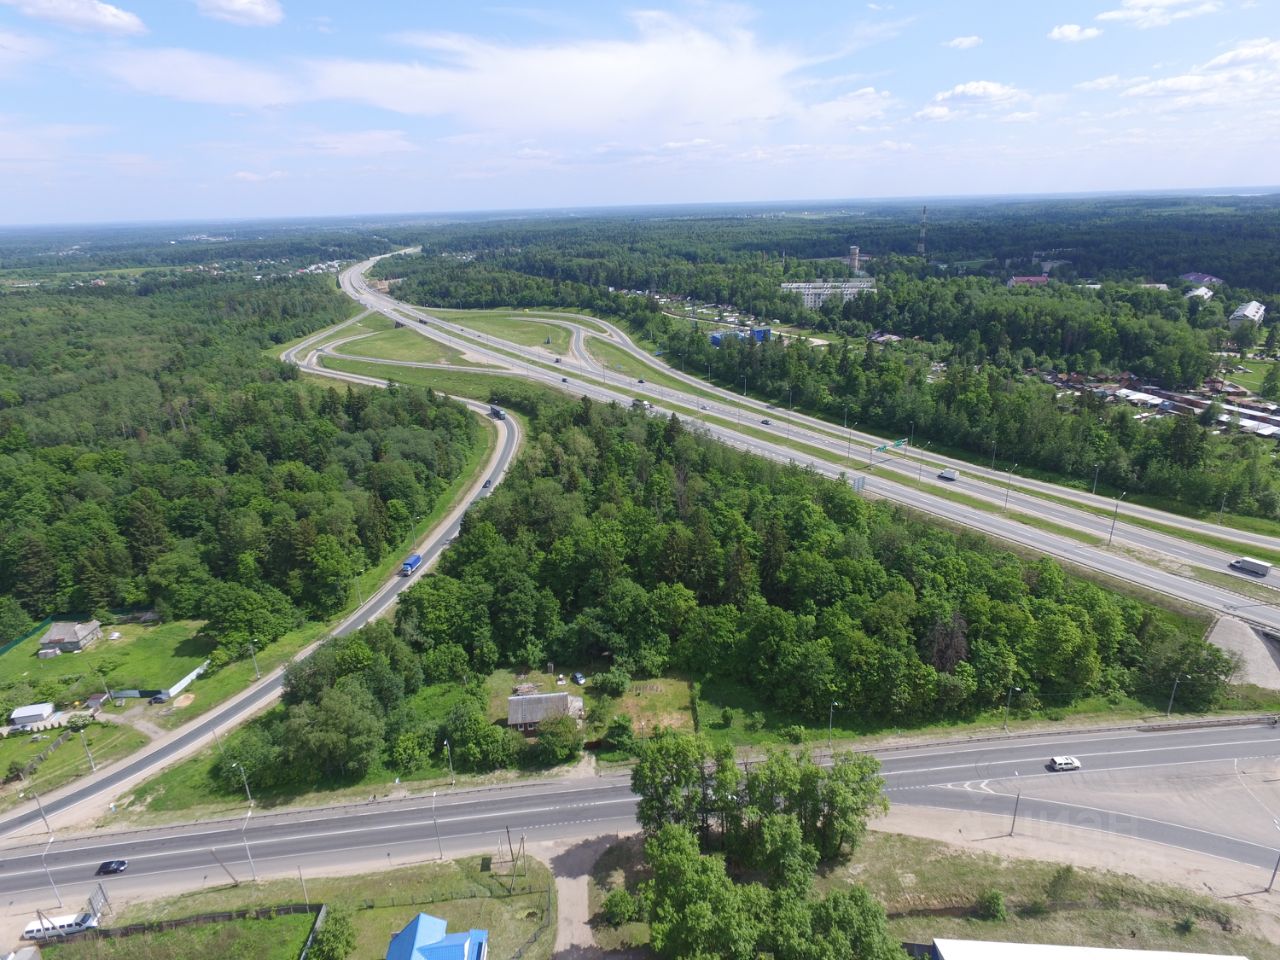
(1148, 559)
(110, 781)
(976, 775)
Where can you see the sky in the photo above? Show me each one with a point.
(184, 109)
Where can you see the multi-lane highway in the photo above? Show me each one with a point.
(993, 503)
(971, 776)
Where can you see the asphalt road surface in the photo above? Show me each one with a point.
(957, 776)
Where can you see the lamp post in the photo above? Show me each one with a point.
(744, 384)
(830, 718)
(253, 653)
(1114, 517)
(993, 454)
(44, 863)
(1221, 507)
(1008, 701)
(920, 472)
(449, 756)
(248, 796)
(93, 767)
(1096, 468)
(1009, 486)
(439, 845)
(1176, 680)
(848, 437)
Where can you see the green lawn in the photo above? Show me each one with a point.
(404, 344)
(511, 909)
(279, 938)
(473, 386)
(371, 323)
(1253, 379)
(659, 701)
(526, 331)
(107, 742)
(507, 313)
(144, 657)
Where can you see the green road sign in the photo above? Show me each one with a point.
(900, 443)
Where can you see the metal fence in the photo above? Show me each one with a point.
(225, 916)
(38, 628)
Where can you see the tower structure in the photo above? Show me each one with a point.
(924, 221)
(855, 259)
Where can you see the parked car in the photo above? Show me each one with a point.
(159, 698)
(112, 866)
(1064, 763)
(579, 679)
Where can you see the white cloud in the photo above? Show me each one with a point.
(16, 48)
(963, 43)
(1246, 76)
(1159, 13)
(980, 92)
(1073, 33)
(1025, 116)
(850, 109)
(361, 143)
(247, 13)
(670, 77)
(200, 78)
(249, 176)
(935, 113)
(81, 15)
(1109, 82)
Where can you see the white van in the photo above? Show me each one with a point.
(949, 474)
(50, 928)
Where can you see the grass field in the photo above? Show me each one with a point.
(145, 657)
(368, 324)
(511, 909)
(404, 344)
(910, 875)
(506, 313)
(1257, 372)
(508, 325)
(660, 701)
(280, 938)
(107, 742)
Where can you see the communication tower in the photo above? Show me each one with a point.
(924, 222)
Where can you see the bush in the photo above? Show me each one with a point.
(79, 722)
(559, 740)
(619, 907)
(614, 682)
(1185, 926)
(1060, 883)
(336, 939)
(619, 735)
(755, 721)
(991, 906)
(1035, 909)
(793, 733)
(726, 718)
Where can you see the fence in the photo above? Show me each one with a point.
(538, 931)
(39, 758)
(38, 628)
(157, 926)
(315, 928)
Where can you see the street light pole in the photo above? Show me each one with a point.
(920, 472)
(993, 454)
(1114, 517)
(1176, 680)
(449, 756)
(47, 872)
(1008, 701)
(1096, 468)
(254, 655)
(247, 794)
(1009, 486)
(1221, 507)
(830, 717)
(439, 845)
(93, 767)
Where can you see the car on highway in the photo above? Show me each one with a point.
(564, 379)
(767, 422)
(1064, 763)
(108, 867)
(641, 380)
(557, 359)
(487, 484)
(579, 679)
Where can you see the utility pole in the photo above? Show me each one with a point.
(1096, 468)
(47, 872)
(449, 756)
(1007, 703)
(1176, 680)
(257, 673)
(1009, 486)
(224, 867)
(40, 807)
(303, 880)
(830, 716)
(1016, 803)
(93, 767)
(1221, 507)
(1114, 517)
(920, 472)
(993, 454)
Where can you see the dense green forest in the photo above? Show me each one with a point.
(991, 342)
(633, 547)
(152, 456)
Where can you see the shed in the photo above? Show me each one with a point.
(31, 713)
(526, 712)
(71, 637)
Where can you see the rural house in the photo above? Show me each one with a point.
(67, 637)
(424, 938)
(524, 713)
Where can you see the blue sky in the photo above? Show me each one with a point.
(169, 109)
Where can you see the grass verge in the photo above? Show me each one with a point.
(279, 938)
(404, 344)
(382, 902)
(107, 742)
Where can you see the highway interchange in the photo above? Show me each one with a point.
(990, 777)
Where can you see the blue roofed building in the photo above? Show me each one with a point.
(424, 938)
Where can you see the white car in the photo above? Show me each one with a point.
(1064, 763)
